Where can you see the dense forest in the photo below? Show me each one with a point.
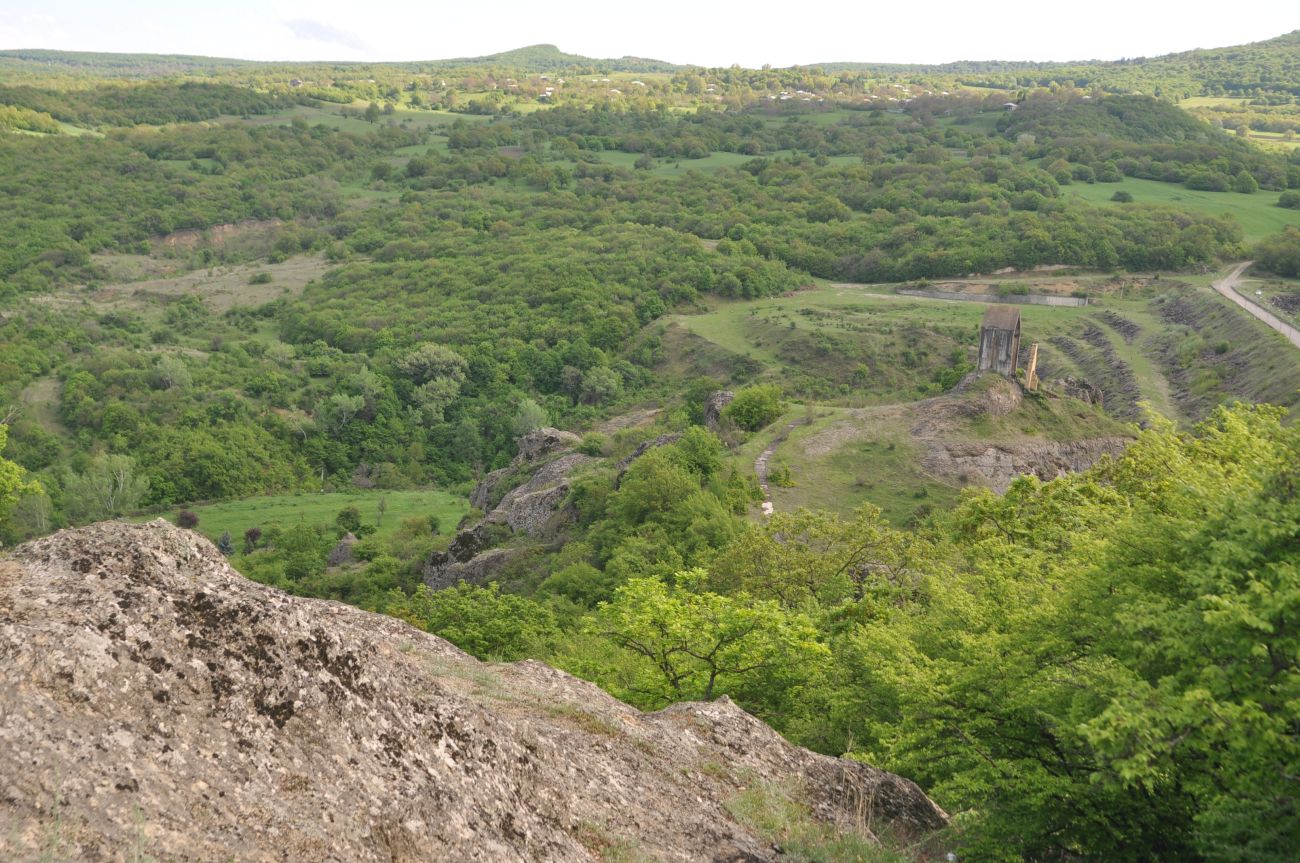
(415, 274)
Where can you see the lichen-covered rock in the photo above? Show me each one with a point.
(997, 464)
(1077, 388)
(713, 406)
(156, 705)
(533, 447)
(531, 507)
(342, 552)
(545, 441)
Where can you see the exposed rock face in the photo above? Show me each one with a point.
(532, 447)
(531, 508)
(153, 699)
(1077, 388)
(997, 464)
(535, 508)
(713, 406)
(342, 553)
(545, 441)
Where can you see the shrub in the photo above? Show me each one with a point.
(1290, 200)
(755, 407)
(262, 278)
(1122, 197)
(1209, 181)
(187, 519)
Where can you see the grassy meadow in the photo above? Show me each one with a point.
(1258, 213)
(320, 510)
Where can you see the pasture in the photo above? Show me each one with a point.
(320, 510)
(1258, 213)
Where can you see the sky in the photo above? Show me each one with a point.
(680, 31)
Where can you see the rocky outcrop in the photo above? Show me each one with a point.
(996, 464)
(525, 498)
(1078, 388)
(533, 447)
(713, 407)
(342, 554)
(532, 507)
(156, 705)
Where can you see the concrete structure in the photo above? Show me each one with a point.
(1000, 340)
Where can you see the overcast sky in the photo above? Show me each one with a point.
(698, 31)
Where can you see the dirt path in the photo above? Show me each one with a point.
(760, 463)
(1228, 287)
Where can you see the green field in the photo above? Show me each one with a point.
(238, 516)
(1258, 214)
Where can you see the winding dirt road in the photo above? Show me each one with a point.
(1228, 287)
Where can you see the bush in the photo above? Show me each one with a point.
(1209, 181)
(755, 407)
(1290, 200)
(262, 278)
(187, 519)
(1280, 253)
(593, 444)
(1122, 197)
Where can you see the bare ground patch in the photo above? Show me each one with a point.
(222, 287)
(40, 401)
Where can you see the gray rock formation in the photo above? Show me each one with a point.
(534, 508)
(533, 447)
(713, 406)
(996, 464)
(1078, 388)
(342, 553)
(156, 705)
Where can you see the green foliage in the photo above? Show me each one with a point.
(756, 407)
(14, 482)
(1280, 254)
(1289, 200)
(1104, 675)
(781, 813)
(690, 644)
(109, 486)
(480, 620)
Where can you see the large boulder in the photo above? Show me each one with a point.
(156, 705)
(713, 407)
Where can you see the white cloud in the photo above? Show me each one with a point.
(311, 30)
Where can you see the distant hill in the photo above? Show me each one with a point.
(533, 58)
(1271, 66)
(105, 65)
(542, 58)
(1259, 68)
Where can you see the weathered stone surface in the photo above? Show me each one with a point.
(531, 507)
(997, 464)
(534, 508)
(341, 553)
(532, 447)
(713, 406)
(478, 569)
(153, 701)
(1077, 388)
(545, 441)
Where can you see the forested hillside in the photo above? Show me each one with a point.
(666, 376)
